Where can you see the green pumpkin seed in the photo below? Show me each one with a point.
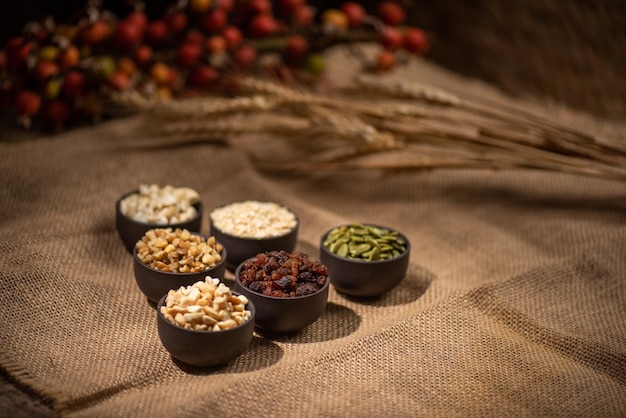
(371, 241)
(342, 251)
(357, 238)
(360, 249)
(357, 230)
(374, 254)
(338, 242)
(375, 231)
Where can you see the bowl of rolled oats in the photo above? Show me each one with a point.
(167, 258)
(251, 227)
(152, 206)
(205, 324)
(365, 260)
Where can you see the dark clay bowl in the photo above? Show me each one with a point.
(284, 315)
(241, 249)
(130, 231)
(155, 283)
(362, 278)
(205, 348)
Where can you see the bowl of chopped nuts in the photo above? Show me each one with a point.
(364, 260)
(289, 290)
(251, 227)
(205, 324)
(167, 258)
(152, 206)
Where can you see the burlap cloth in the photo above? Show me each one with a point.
(513, 305)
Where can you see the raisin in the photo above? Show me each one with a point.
(256, 287)
(319, 268)
(295, 268)
(284, 282)
(267, 290)
(261, 275)
(321, 281)
(306, 276)
(246, 276)
(306, 289)
(271, 265)
(283, 271)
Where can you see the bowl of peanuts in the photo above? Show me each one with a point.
(167, 258)
(251, 227)
(152, 206)
(205, 324)
(289, 290)
(365, 260)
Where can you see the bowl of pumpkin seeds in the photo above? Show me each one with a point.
(364, 259)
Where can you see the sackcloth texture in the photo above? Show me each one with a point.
(513, 304)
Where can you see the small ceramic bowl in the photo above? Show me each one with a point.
(155, 283)
(130, 231)
(205, 348)
(363, 278)
(241, 248)
(284, 315)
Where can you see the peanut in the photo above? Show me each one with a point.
(178, 251)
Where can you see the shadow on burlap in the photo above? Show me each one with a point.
(513, 304)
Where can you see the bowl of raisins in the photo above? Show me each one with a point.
(289, 290)
(365, 260)
(250, 227)
(151, 206)
(167, 258)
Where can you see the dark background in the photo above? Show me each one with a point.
(573, 53)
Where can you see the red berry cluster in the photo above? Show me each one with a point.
(60, 74)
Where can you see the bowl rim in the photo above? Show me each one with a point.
(161, 303)
(237, 281)
(366, 262)
(224, 254)
(198, 205)
(252, 239)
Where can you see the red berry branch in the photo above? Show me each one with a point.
(58, 75)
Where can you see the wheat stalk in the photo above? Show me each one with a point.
(426, 128)
(273, 89)
(540, 131)
(404, 89)
(203, 106)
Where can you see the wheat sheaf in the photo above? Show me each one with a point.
(412, 126)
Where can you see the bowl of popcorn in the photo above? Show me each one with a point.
(251, 227)
(364, 260)
(152, 206)
(205, 324)
(167, 258)
(289, 290)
